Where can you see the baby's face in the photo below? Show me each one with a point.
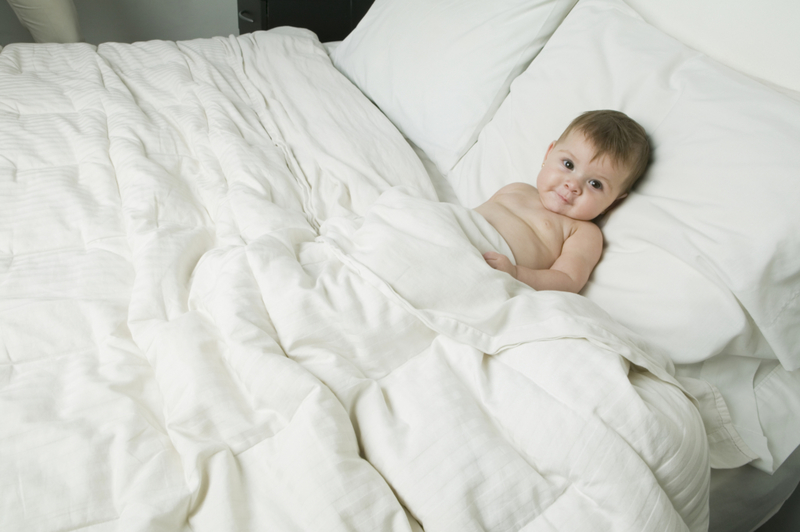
(572, 184)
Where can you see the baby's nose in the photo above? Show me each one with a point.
(572, 186)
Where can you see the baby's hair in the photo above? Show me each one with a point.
(616, 135)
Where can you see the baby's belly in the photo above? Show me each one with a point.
(528, 248)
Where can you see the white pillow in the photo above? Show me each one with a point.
(704, 256)
(439, 69)
(757, 38)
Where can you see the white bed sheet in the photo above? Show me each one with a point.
(231, 300)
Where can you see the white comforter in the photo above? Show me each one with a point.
(230, 301)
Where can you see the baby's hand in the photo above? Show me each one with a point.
(498, 261)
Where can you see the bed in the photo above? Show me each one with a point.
(243, 286)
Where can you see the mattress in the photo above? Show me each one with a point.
(744, 498)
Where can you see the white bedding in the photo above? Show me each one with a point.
(230, 301)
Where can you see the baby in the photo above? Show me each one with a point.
(549, 227)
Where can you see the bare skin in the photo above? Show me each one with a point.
(548, 227)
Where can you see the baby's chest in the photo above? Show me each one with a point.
(552, 229)
(544, 245)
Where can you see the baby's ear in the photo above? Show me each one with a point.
(615, 202)
(549, 149)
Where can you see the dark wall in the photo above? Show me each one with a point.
(331, 20)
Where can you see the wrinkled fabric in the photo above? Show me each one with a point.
(230, 301)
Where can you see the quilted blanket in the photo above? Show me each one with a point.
(229, 300)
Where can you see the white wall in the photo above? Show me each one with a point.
(138, 20)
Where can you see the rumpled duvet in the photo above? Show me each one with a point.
(229, 300)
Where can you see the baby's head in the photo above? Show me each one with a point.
(593, 164)
(617, 136)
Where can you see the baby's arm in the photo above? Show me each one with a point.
(570, 271)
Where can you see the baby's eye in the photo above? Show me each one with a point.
(594, 183)
(569, 164)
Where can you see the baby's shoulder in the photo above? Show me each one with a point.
(519, 186)
(517, 197)
(585, 231)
